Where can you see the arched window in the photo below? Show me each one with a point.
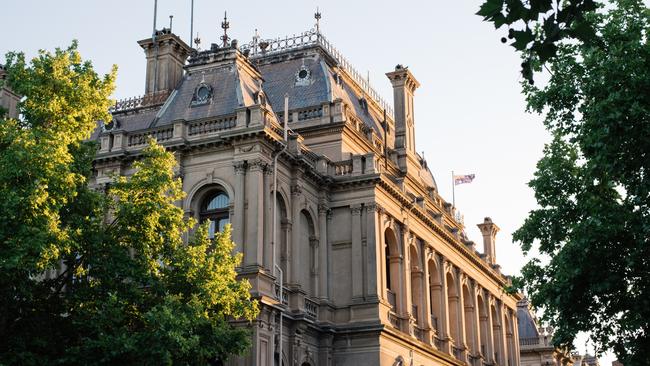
(215, 209)
(392, 263)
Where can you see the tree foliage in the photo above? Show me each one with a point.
(536, 26)
(95, 277)
(593, 185)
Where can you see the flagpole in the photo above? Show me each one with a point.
(453, 189)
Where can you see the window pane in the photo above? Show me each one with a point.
(222, 224)
(219, 201)
(211, 229)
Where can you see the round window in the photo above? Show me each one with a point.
(203, 92)
(303, 74)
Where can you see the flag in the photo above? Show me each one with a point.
(460, 179)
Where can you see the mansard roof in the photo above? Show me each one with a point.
(274, 74)
(526, 320)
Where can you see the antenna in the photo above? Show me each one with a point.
(155, 11)
(155, 43)
(192, 24)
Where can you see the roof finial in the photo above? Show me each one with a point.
(171, 18)
(225, 25)
(256, 39)
(197, 41)
(317, 16)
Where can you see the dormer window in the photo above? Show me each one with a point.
(303, 76)
(202, 95)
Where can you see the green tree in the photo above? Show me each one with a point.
(126, 288)
(593, 184)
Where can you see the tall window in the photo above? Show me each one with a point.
(215, 210)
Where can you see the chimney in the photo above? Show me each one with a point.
(8, 99)
(489, 231)
(404, 85)
(165, 60)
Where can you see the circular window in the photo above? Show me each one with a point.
(303, 74)
(203, 92)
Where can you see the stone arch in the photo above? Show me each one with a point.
(198, 190)
(436, 296)
(470, 316)
(281, 240)
(306, 250)
(195, 205)
(483, 321)
(399, 361)
(510, 344)
(496, 334)
(392, 259)
(415, 263)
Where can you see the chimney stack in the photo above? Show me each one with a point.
(165, 60)
(489, 231)
(404, 85)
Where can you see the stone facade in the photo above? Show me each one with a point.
(8, 99)
(535, 341)
(376, 267)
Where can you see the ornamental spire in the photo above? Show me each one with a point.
(225, 25)
(317, 16)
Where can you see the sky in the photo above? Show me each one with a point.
(469, 111)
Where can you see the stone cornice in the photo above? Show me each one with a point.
(443, 233)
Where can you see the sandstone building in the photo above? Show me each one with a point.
(8, 99)
(376, 267)
(535, 342)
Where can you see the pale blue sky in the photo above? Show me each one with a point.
(469, 111)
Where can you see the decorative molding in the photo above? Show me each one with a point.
(323, 209)
(240, 167)
(355, 209)
(296, 190)
(257, 165)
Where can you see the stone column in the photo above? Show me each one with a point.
(322, 251)
(357, 254)
(375, 253)
(405, 272)
(476, 321)
(254, 248)
(444, 312)
(296, 195)
(238, 226)
(503, 354)
(426, 293)
(382, 250)
(515, 331)
(268, 195)
(462, 344)
(329, 254)
(492, 347)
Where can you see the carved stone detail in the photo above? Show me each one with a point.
(240, 167)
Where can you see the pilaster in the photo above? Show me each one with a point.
(357, 254)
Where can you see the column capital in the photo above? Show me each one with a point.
(355, 209)
(240, 167)
(323, 209)
(257, 165)
(373, 207)
(296, 190)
